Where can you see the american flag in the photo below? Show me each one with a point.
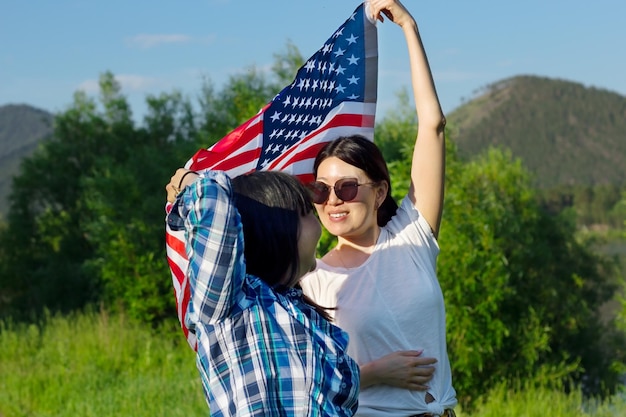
(333, 94)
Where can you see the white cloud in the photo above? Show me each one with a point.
(150, 41)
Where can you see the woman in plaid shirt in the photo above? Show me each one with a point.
(263, 349)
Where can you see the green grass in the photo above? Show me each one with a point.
(94, 364)
(531, 401)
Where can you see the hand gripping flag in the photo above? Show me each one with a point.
(332, 95)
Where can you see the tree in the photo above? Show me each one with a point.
(86, 223)
(523, 296)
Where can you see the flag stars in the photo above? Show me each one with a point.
(276, 116)
(340, 52)
(340, 89)
(339, 32)
(353, 60)
(327, 48)
(340, 70)
(287, 101)
(310, 65)
(353, 80)
(352, 39)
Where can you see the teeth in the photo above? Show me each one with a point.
(337, 215)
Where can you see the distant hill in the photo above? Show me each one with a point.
(565, 133)
(22, 128)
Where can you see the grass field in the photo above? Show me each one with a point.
(94, 364)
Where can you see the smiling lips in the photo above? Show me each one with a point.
(337, 216)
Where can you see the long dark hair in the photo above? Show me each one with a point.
(271, 204)
(362, 153)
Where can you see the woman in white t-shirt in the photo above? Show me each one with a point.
(381, 275)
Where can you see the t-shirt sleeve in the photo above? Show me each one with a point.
(409, 224)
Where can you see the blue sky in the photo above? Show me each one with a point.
(50, 49)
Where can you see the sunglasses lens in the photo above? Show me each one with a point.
(319, 192)
(346, 189)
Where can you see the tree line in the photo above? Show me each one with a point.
(525, 297)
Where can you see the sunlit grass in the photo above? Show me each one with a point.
(530, 401)
(96, 365)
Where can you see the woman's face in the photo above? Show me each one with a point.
(350, 219)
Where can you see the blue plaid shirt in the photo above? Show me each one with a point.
(261, 352)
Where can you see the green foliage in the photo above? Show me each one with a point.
(96, 364)
(521, 293)
(87, 209)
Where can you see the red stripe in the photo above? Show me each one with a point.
(238, 160)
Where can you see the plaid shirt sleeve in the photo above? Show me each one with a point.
(214, 243)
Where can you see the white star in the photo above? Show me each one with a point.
(353, 60)
(353, 97)
(310, 65)
(275, 116)
(353, 80)
(340, 89)
(339, 52)
(340, 70)
(352, 39)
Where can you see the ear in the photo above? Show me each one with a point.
(381, 193)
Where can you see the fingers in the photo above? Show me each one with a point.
(172, 192)
(172, 188)
(394, 10)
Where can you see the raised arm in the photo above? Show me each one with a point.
(213, 240)
(428, 165)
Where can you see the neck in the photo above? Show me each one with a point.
(365, 242)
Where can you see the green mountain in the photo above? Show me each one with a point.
(22, 127)
(565, 133)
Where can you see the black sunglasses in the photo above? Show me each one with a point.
(346, 189)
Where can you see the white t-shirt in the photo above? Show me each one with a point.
(391, 302)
